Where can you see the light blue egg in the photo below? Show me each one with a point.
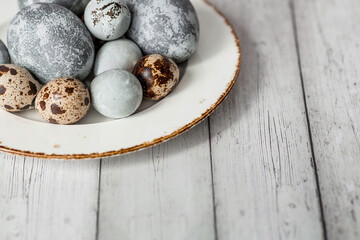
(120, 54)
(4, 54)
(116, 93)
(107, 19)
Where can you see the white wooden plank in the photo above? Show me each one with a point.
(264, 180)
(328, 33)
(47, 199)
(161, 193)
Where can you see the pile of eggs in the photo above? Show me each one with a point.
(132, 47)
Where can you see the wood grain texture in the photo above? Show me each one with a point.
(44, 199)
(258, 168)
(328, 36)
(264, 178)
(161, 193)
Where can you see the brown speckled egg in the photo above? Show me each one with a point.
(158, 76)
(18, 88)
(63, 101)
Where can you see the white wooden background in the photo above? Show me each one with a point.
(279, 159)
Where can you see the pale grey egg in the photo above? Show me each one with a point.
(107, 19)
(76, 6)
(51, 42)
(116, 93)
(169, 28)
(120, 54)
(4, 54)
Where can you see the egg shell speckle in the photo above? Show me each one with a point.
(158, 76)
(107, 19)
(51, 42)
(120, 54)
(116, 93)
(4, 54)
(63, 101)
(18, 88)
(170, 28)
(76, 6)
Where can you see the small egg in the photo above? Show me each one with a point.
(120, 54)
(63, 101)
(158, 76)
(107, 19)
(4, 54)
(18, 88)
(116, 93)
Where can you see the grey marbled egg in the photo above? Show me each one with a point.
(76, 6)
(120, 54)
(4, 54)
(169, 28)
(107, 19)
(51, 42)
(116, 93)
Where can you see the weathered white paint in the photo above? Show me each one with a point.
(160, 193)
(329, 42)
(263, 175)
(43, 199)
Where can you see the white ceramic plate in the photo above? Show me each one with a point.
(209, 77)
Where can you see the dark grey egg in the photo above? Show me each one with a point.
(4, 54)
(169, 28)
(77, 6)
(51, 42)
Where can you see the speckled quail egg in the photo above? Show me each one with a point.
(51, 42)
(4, 54)
(63, 101)
(120, 54)
(17, 88)
(116, 93)
(158, 76)
(76, 6)
(107, 19)
(170, 28)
